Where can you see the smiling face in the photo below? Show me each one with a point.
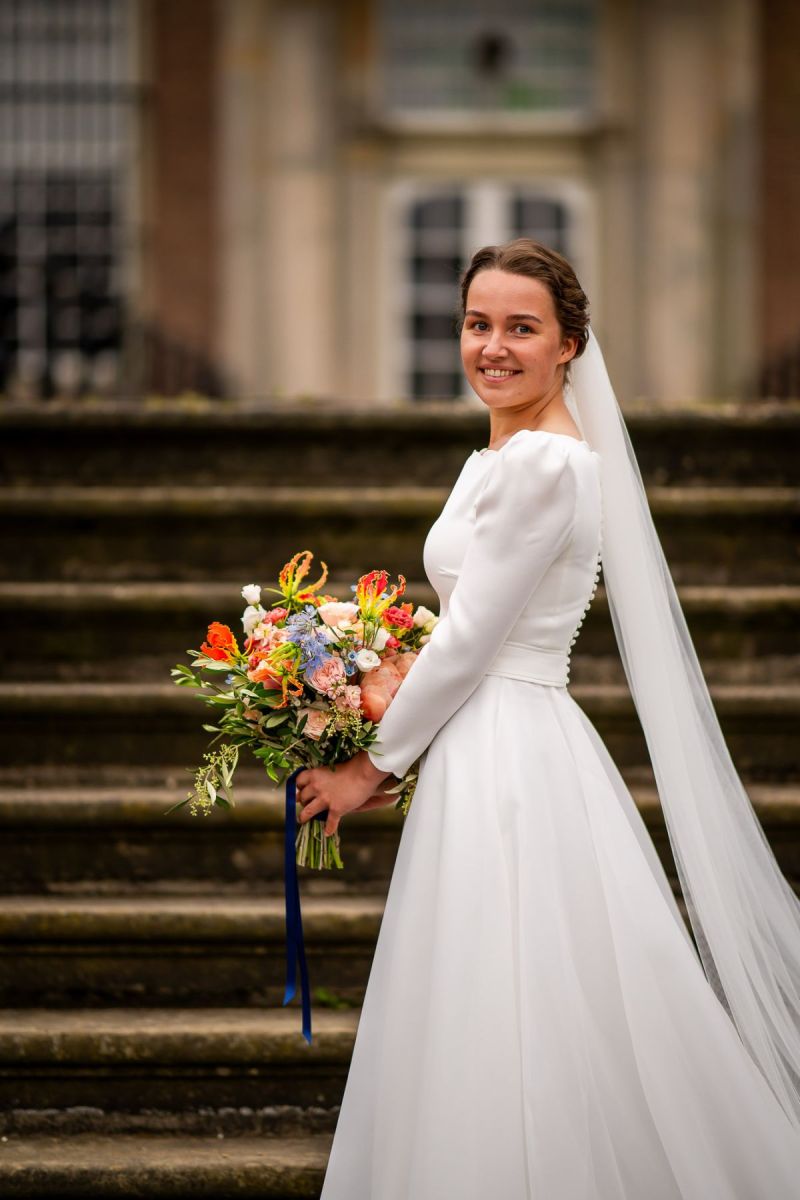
(512, 346)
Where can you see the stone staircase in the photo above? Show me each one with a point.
(143, 1047)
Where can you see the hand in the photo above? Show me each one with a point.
(340, 791)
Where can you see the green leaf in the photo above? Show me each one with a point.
(212, 728)
(276, 719)
(175, 807)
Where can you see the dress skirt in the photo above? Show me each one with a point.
(537, 1024)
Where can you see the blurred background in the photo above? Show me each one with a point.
(275, 197)
(230, 239)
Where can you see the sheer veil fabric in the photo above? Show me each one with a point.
(745, 916)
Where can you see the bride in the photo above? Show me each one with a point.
(538, 1024)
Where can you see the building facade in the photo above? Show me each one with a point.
(276, 197)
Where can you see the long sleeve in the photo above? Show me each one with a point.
(523, 520)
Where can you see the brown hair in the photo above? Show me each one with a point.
(523, 256)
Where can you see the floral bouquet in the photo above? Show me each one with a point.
(309, 687)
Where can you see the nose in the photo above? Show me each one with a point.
(495, 347)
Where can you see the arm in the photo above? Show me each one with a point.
(524, 519)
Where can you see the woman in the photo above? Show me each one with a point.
(537, 1022)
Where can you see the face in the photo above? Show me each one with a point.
(512, 347)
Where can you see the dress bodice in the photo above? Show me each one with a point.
(514, 558)
(555, 609)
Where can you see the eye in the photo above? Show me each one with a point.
(479, 325)
(524, 328)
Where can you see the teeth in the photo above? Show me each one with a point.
(494, 374)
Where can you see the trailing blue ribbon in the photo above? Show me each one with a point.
(295, 946)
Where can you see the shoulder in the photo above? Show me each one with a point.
(540, 445)
(533, 469)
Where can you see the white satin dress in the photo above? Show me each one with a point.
(537, 1024)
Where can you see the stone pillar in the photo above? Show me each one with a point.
(779, 46)
(678, 107)
(180, 255)
(242, 99)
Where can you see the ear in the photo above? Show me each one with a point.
(568, 347)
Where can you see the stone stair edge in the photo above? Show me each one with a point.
(166, 919)
(44, 595)
(131, 1036)
(257, 808)
(68, 500)
(260, 808)
(331, 413)
(31, 696)
(159, 1165)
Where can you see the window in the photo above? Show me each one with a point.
(441, 228)
(516, 56)
(65, 147)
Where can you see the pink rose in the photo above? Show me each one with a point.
(327, 676)
(315, 725)
(349, 697)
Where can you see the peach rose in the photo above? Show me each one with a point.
(315, 725)
(327, 676)
(380, 687)
(338, 612)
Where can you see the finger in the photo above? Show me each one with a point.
(332, 824)
(311, 809)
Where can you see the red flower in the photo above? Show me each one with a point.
(399, 617)
(221, 644)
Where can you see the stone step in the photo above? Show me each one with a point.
(711, 535)
(92, 1167)
(321, 441)
(95, 724)
(172, 1058)
(76, 628)
(73, 840)
(209, 949)
(98, 841)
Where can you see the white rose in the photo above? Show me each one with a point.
(422, 616)
(381, 638)
(429, 626)
(426, 637)
(251, 594)
(367, 660)
(253, 615)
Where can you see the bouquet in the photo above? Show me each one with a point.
(309, 687)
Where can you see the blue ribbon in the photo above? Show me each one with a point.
(295, 946)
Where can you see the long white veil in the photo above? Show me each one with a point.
(745, 916)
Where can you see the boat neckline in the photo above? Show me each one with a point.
(547, 432)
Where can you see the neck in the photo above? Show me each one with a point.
(505, 422)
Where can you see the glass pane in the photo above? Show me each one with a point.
(513, 56)
(68, 101)
(435, 235)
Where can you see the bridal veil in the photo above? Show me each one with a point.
(744, 914)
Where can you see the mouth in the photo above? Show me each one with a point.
(497, 374)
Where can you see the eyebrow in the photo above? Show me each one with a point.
(473, 312)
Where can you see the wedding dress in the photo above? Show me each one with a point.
(537, 1023)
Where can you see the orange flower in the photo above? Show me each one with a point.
(293, 573)
(374, 596)
(221, 644)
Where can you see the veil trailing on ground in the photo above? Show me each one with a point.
(745, 916)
